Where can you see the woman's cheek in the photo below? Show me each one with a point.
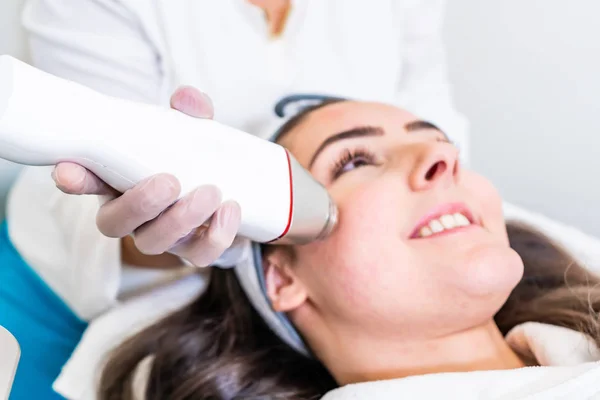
(370, 211)
(490, 202)
(366, 238)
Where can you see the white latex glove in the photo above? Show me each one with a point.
(146, 211)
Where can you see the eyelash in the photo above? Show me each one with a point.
(351, 155)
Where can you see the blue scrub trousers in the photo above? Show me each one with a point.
(46, 329)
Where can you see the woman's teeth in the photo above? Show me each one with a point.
(444, 223)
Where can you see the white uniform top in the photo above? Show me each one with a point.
(384, 50)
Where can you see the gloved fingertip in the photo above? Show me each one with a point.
(229, 217)
(193, 102)
(210, 195)
(70, 178)
(170, 183)
(208, 105)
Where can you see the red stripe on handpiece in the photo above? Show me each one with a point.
(289, 223)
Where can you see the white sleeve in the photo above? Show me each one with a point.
(98, 43)
(424, 87)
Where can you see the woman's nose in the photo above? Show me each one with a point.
(436, 164)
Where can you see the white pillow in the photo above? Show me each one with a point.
(584, 247)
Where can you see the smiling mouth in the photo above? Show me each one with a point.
(444, 222)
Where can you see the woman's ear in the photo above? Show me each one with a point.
(285, 291)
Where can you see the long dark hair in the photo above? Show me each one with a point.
(219, 348)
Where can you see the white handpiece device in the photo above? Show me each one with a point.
(45, 120)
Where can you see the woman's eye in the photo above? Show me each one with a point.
(355, 163)
(350, 161)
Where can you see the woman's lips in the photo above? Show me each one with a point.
(443, 219)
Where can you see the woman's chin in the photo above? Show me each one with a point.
(489, 271)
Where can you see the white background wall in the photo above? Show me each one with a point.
(527, 74)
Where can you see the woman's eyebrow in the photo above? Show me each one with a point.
(349, 134)
(414, 126)
(420, 125)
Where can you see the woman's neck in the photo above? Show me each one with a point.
(276, 13)
(357, 360)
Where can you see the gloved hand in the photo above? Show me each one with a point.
(146, 210)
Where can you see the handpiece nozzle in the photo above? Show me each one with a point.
(314, 213)
(331, 222)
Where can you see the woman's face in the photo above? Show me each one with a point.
(420, 249)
